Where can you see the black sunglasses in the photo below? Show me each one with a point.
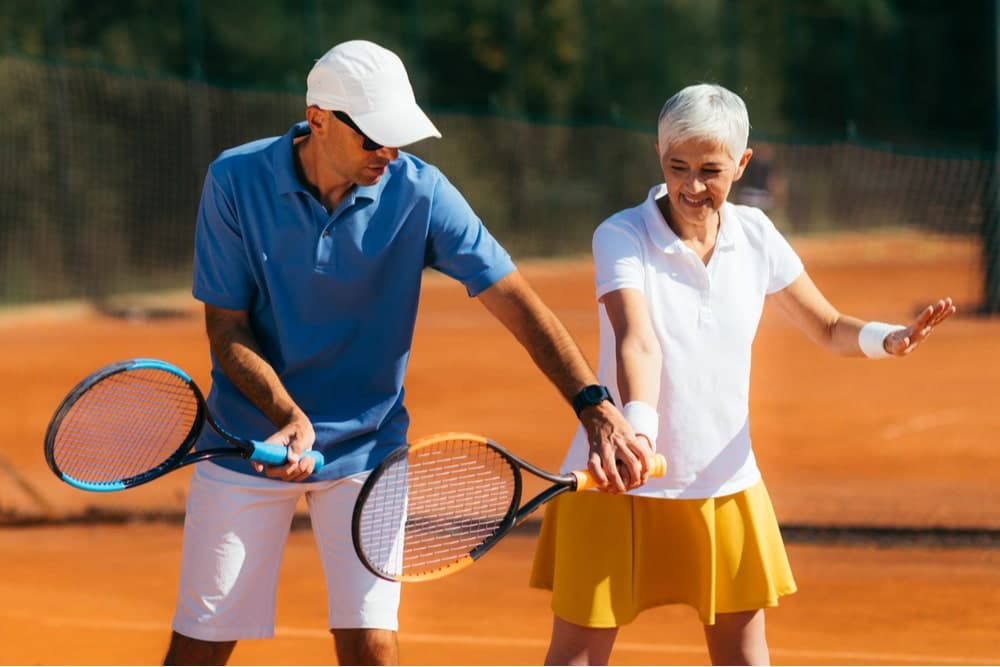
(368, 144)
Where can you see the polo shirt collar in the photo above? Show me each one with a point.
(283, 161)
(284, 168)
(659, 231)
(730, 232)
(664, 238)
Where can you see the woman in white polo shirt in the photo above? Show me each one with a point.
(682, 279)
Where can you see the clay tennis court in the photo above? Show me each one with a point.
(884, 474)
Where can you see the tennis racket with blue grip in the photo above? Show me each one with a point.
(133, 421)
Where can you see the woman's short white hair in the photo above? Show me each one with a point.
(705, 111)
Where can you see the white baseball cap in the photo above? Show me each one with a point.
(369, 83)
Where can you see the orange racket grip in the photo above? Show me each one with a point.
(585, 481)
(658, 467)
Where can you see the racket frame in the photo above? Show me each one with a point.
(515, 512)
(265, 452)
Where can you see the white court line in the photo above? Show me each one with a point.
(788, 654)
(921, 423)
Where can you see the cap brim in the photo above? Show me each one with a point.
(398, 127)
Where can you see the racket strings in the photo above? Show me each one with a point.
(435, 506)
(124, 425)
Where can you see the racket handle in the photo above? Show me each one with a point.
(658, 467)
(276, 455)
(584, 480)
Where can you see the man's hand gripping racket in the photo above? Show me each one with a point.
(134, 421)
(435, 506)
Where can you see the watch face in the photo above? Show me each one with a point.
(591, 395)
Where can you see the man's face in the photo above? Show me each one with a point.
(372, 158)
(345, 152)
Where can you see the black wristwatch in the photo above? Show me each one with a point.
(592, 394)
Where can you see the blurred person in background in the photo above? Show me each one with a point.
(309, 253)
(762, 185)
(681, 281)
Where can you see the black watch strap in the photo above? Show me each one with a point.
(592, 394)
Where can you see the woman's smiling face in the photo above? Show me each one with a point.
(699, 174)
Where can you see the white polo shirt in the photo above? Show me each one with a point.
(705, 318)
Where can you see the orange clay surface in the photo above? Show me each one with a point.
(841, 442)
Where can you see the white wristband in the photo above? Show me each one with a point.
(871, 339)
(643, 419)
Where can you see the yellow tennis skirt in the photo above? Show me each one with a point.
(608, 557)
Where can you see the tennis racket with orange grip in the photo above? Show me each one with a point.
(434, 507)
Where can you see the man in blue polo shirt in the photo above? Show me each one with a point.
(309, 253)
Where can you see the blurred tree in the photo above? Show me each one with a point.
(804, 66)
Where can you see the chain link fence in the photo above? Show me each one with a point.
(100, 174)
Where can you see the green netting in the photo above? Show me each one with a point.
(100, 175)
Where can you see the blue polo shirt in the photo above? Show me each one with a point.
(332, 297)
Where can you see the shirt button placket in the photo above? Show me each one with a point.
(324, 249)
(705, 316)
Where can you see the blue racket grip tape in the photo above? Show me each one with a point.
(277, 455)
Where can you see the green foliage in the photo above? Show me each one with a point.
(830, 67)
(548, 108)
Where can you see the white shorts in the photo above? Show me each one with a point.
(234, 537)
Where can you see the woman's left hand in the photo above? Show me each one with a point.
(906, 340)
